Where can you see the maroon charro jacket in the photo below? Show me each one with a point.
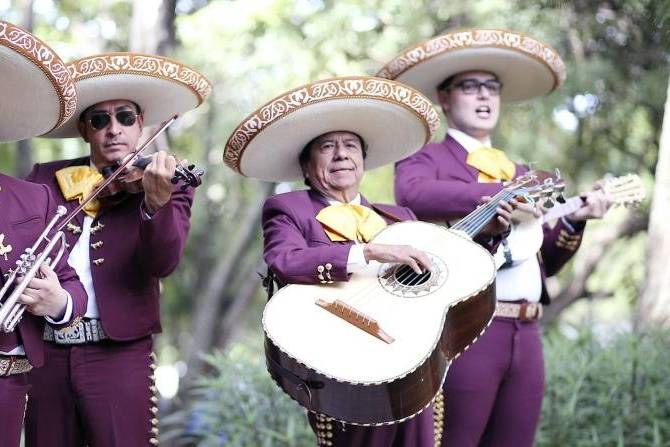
(128, 253)
(437, 184)
(26, 210)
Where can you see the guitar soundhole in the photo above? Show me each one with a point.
(400, 279)
(406, 276)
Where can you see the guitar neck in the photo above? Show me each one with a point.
(563, 209)
(474, 222)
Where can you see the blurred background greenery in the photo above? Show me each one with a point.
(607, 375)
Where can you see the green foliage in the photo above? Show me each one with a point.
(609, 392)
(614, 392)
(238, 405)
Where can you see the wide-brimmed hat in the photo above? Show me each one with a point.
(393, 119)
(526, 67)
(36, 91)
(160, 86)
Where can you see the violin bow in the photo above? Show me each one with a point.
(116, 173)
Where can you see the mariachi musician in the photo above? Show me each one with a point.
(99, 374)
(494, 390)
(327, 134)
(37, 96)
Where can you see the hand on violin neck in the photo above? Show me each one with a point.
(157, 181)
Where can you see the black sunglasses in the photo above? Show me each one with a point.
(100, 120)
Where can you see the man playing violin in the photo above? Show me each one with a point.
(494, 391)
(97, 387)
(36, 98)
(325, 234)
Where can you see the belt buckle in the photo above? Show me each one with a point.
(523, 312)
(5, 366)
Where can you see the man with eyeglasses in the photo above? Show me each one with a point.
(494, 390)
(97, 387)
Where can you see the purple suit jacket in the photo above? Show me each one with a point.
(128, 253)
(438, 185)
(26, 210)
(296, 243)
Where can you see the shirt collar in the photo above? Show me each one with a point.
(469, 143)
(355, 201)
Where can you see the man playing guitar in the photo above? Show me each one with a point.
(494, 391)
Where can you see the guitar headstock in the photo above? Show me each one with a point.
(537, 185)
(626, 190)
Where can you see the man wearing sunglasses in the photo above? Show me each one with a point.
(98, 386)
(494, 390)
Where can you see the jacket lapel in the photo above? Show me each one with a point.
(459, 153)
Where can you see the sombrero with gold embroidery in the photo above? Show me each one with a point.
(36, 91)
(160, 86)
(393, 119)
(526, 67)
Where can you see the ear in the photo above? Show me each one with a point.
(81, 127)
(443, 98)
(140, 121)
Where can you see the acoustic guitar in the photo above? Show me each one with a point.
(526, 236)
(375, 349)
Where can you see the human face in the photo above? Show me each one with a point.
(335, 166)
(477, 113)
(114, 141)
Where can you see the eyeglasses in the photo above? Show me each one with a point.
(100, 120)
(473, 86)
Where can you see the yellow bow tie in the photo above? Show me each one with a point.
(350, 222)
(77, 182)
(493, 165)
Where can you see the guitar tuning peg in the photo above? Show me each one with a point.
(191, 167)
(174, 180)
(560, 199)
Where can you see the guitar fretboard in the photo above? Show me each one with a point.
(563, 209)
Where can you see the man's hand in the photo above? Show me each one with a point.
(157, 181)
(402, 254)
(45, 296)
(596, 204)
(502, 221)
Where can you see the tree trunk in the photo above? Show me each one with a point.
(585, 265)
(207, 307)
(653, 307)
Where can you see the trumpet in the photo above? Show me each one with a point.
(27, 267)
(29, 263)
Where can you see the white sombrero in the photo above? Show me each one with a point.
(36, 91)
(394, 120)
(526, 67)
(160, 86)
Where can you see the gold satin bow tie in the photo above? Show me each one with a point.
(493, 165)
(77, 182)
(350, 222)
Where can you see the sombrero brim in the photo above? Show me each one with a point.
(393, 119)
(36, 89)
(160, 86)
(527, 67)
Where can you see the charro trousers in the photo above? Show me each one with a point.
(95, 394)
(494, 390)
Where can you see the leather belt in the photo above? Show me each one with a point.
(11, 365)
(522, 311)
(84, 331)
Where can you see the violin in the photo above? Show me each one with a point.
(129, 181)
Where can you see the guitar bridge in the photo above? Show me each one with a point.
(356, 318)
